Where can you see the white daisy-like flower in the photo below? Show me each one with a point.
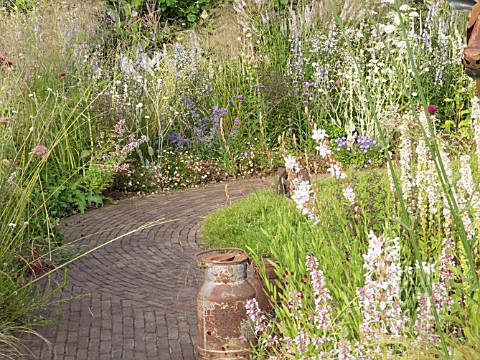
(319, 134)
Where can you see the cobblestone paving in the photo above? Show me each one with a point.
(139, 292)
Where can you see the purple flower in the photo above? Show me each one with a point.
(431, 109)
(63, 73)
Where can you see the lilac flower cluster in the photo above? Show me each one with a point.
(205, 129)
(357, 151)
(116, 147)
(177, 140)
(191, 107)
(202, 131)
(363, 142)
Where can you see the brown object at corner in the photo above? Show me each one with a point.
(471, 54)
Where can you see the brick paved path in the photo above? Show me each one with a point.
(139, 291)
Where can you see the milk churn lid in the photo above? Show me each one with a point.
(224, 256)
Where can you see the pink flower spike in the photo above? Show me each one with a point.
(9, 62)
(63, 73)
(431, 109)
(4, 120)
(40, 150)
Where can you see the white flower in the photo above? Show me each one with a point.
(291, 162)
(389, 28)
(139, 105)
(323, 150)
(405, 7)
(12, 225)
(349, 194)
(336, 171)
(319, 134)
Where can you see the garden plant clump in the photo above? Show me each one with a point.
(97, 96)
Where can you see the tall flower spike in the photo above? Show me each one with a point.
(380, 298)
(406, 175)
(476, 124)
(425, 324)
(321, 295)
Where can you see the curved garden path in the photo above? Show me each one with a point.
(139, 292)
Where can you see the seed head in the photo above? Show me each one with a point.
(40, 150)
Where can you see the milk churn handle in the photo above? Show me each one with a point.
(200, 262)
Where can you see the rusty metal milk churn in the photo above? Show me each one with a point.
(224, 331)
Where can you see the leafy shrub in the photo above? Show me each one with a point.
(357, 152)
(183, 12)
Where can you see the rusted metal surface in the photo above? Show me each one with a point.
(282, 182)
(261, 291)
(224, 331)
(471, 54)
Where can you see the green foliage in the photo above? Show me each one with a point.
(18, 6)
(182, 12)
(266, 210)
(456, 111)
(238, 225)
(69, 196)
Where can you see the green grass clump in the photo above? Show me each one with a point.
(250, 222)
(240, 224)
